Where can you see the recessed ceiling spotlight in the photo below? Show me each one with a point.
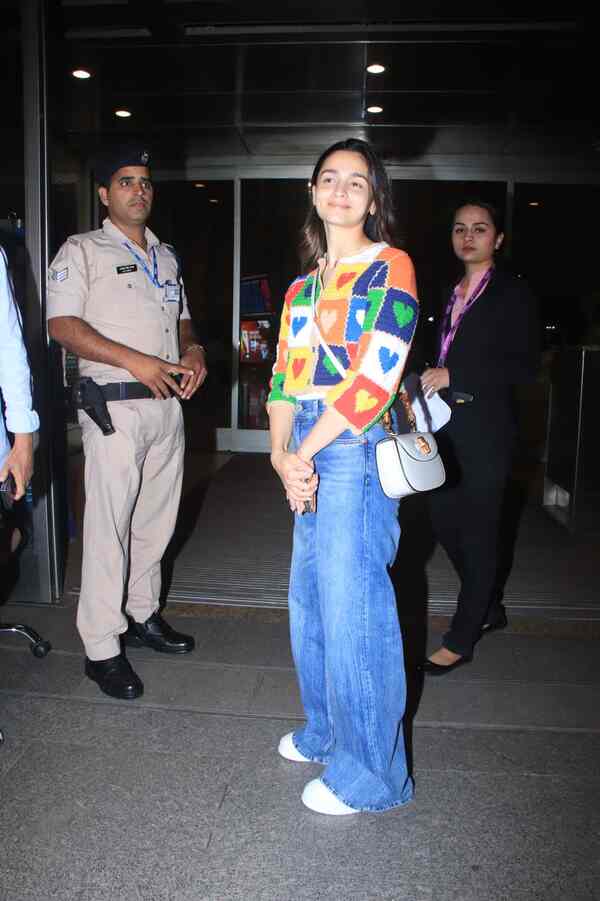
(213, 200)
(122, 113)
(81, 74)
(199, 184)
(376, 69)
(534, 203)
(374, 109)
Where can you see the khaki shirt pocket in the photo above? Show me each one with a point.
(117, 299)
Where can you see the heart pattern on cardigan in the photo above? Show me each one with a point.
(364, 401)
(387, 359)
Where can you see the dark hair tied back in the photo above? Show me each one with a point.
(378, 227)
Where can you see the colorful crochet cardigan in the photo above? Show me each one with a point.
(367, 314)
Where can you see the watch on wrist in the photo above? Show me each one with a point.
(192, 346)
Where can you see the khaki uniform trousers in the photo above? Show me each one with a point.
(132, 490)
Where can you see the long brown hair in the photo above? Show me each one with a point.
(380, 226)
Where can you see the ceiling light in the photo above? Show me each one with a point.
(534, 203)
(374, 109)
(199, 184)
(81, 73)
(123, 113)
(376, 69)
(213, 200)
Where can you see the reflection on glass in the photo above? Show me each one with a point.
(272, 214)
(258, 337)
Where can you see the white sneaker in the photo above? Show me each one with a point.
(319, 798)
(288, 749)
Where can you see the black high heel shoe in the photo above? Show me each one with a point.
(438, 669)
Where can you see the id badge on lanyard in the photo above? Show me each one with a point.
(172, 289)
(172, 292)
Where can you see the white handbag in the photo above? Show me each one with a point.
(406, 464)
(409, 463)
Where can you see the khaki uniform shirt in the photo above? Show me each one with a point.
(95, 277)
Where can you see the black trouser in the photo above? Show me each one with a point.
(465, 515)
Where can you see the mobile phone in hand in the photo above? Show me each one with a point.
(310, 506)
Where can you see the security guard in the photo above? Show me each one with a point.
(116, 300)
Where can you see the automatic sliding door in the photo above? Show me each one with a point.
(272, 212)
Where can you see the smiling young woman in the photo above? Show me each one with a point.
(346, 329)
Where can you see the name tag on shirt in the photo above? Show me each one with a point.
(122, 270)
(172, 292)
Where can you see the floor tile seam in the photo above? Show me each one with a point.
(283, 717)
(208, 665)
(475, 771)
(131, 705)
(171, 660)
(505, 727)
(483, 680)
(177, 660)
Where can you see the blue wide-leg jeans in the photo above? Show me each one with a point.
(344, 626)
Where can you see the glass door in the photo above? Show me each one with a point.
(271, 215)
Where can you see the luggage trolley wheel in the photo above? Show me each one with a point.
(41, 648)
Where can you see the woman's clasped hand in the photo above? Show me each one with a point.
(298, 477)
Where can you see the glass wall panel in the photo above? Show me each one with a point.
(562, 271)
(272, 215)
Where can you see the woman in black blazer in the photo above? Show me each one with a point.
(489, 342)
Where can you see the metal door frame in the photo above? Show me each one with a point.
(43, 581)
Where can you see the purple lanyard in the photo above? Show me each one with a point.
(449, 330)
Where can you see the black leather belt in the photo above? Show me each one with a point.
(125, 391)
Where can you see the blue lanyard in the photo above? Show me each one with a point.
(153, 276)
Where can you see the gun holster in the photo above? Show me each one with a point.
(88, 396)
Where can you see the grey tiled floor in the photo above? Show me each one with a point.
(181, 796)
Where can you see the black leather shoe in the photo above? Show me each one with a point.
(438, 669)
(157, 634)
(501, 622)
(115, 677)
